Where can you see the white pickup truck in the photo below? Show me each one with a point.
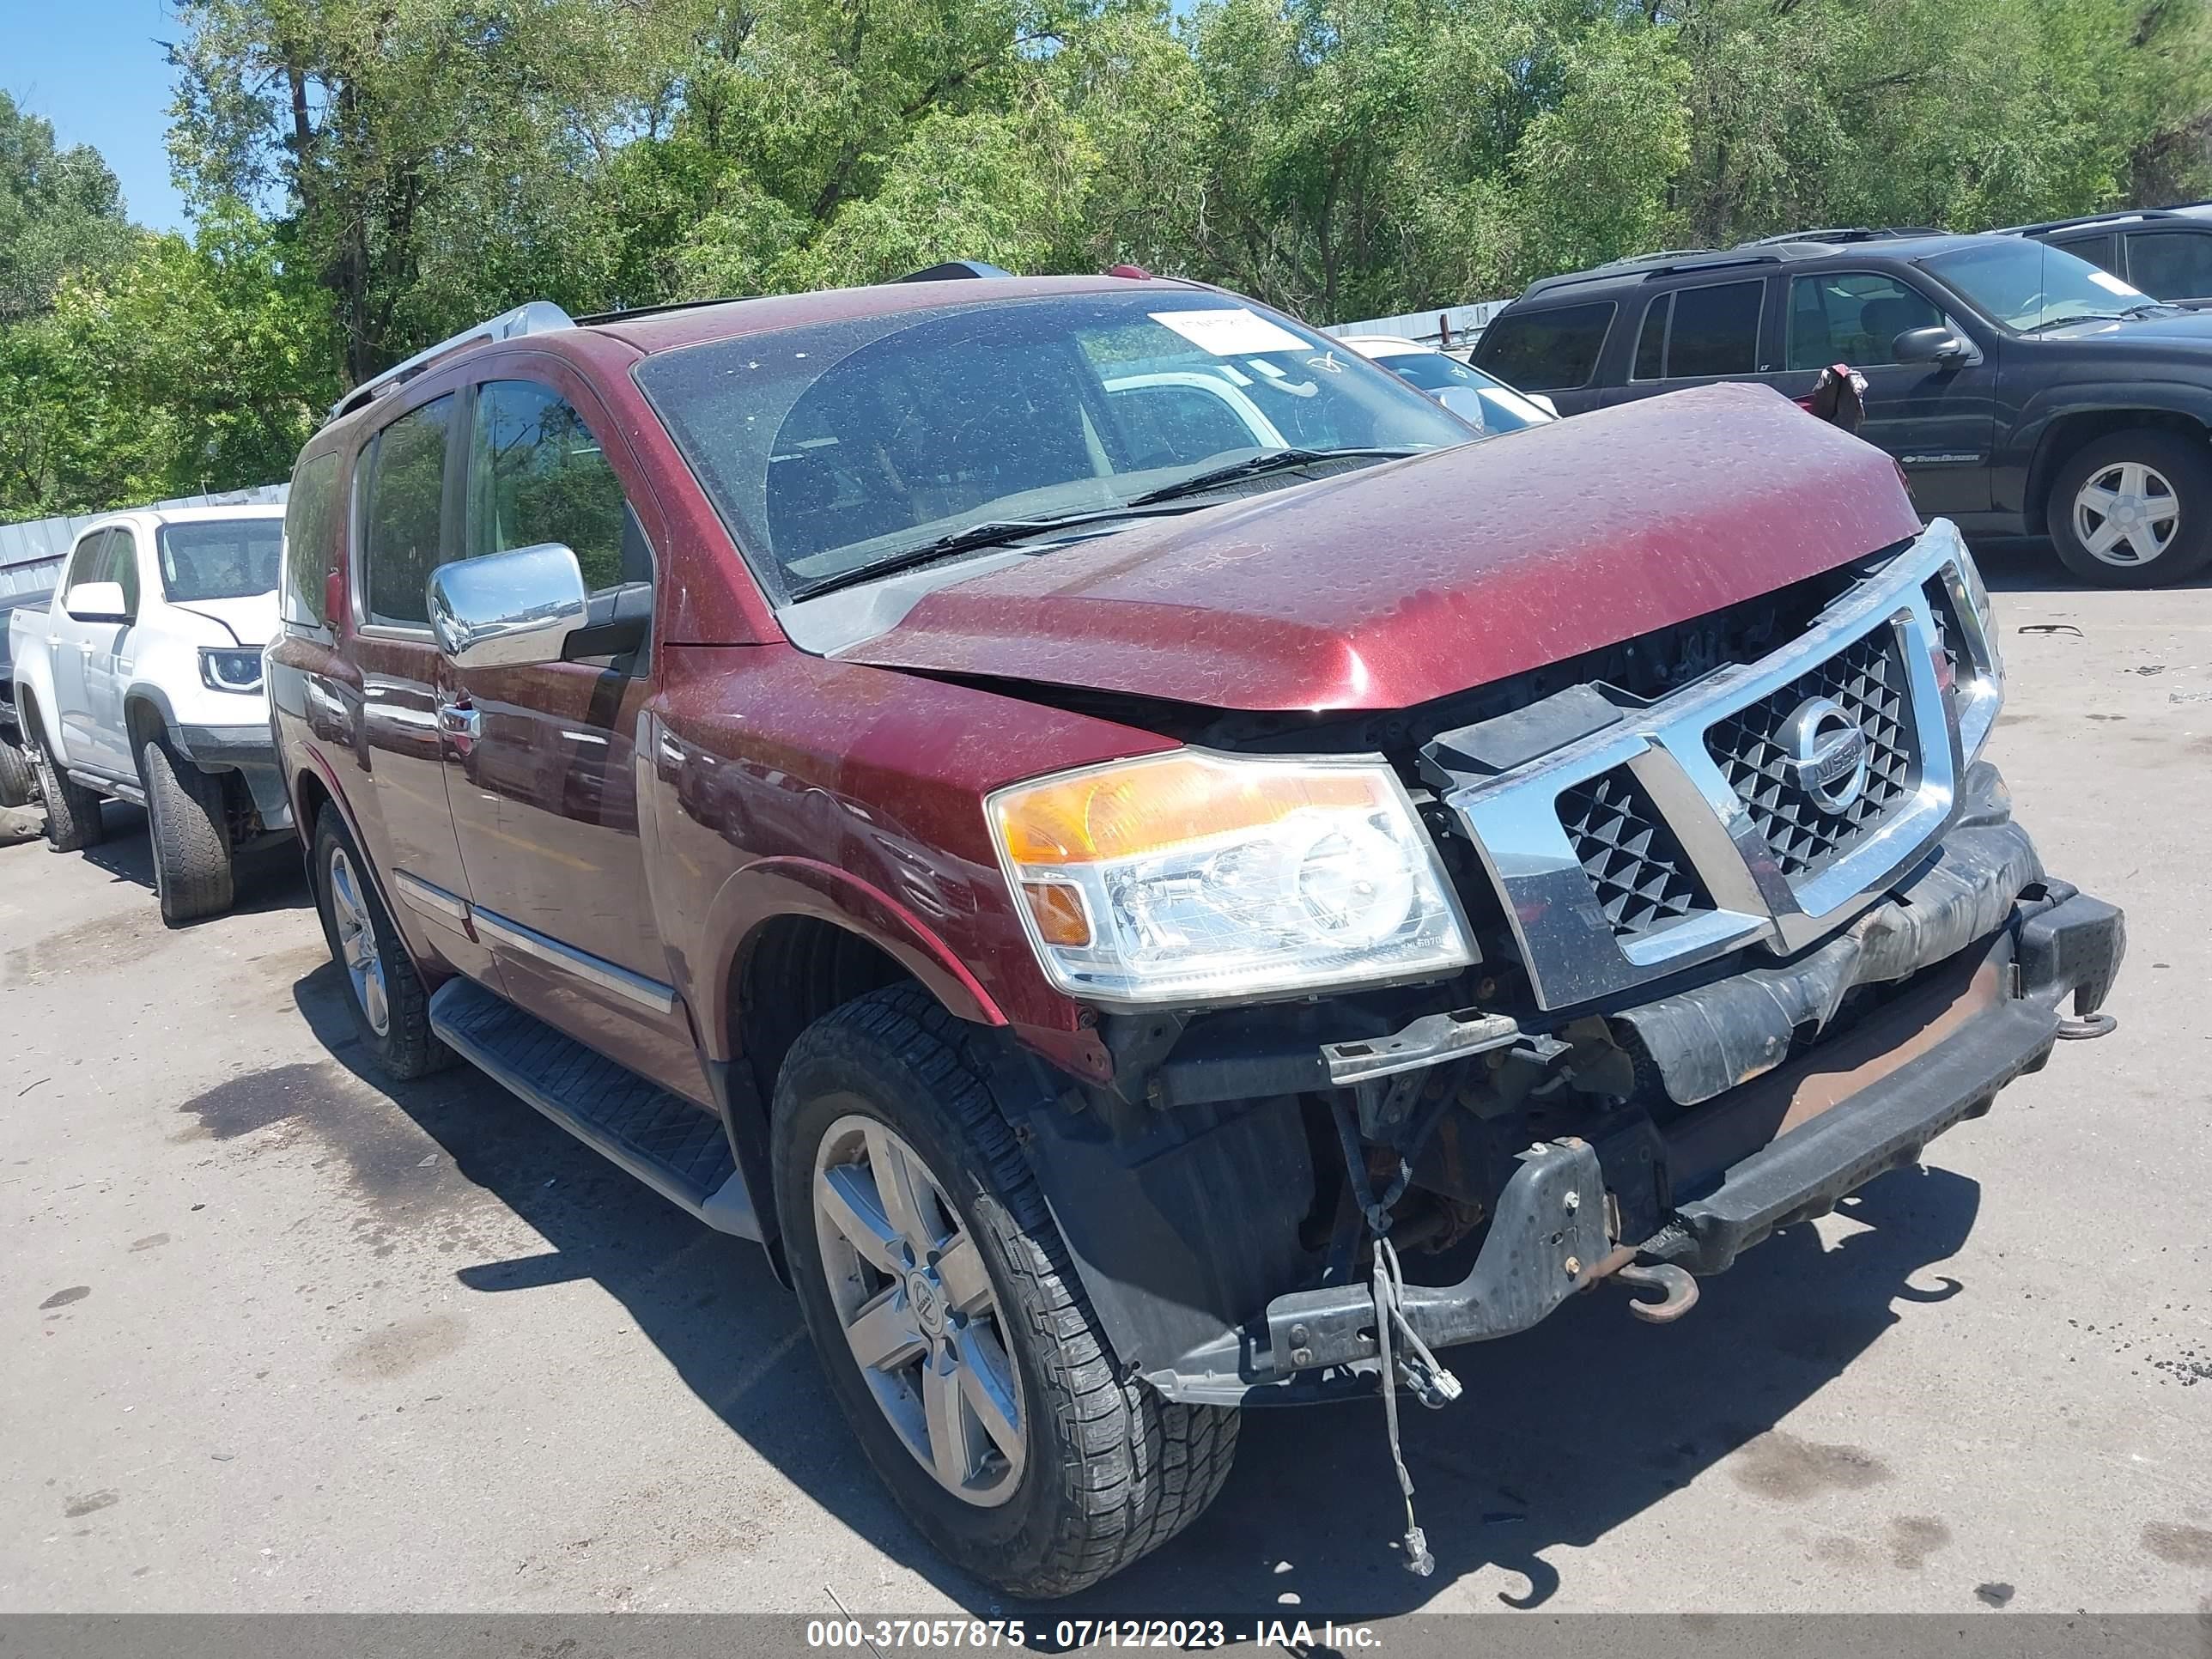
(141, 680)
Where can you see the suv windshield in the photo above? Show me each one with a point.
(2027, 286)
(219, 558)
(834, 449)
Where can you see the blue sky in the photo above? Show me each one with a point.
(93, 69)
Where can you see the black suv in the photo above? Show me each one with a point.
(2020, 388)
(2165, 251)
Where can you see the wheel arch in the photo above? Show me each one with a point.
(2065, 433)
(147, 712)
(797, 939)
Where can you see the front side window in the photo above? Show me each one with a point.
(119, 563)
(1852, 317)
(836, 449)
(2171, 264)
(219, 558)
(1545, 350)
(402, 516)
(310, 515)
(85, 563)
(537, 474)
(2026, 287)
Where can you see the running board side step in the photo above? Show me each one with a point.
(678, 1149)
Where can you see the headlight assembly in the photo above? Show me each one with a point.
(1192, 878)
(230, 671)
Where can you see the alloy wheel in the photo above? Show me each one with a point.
(2126, 514)
(918, 1311)
(358, 950)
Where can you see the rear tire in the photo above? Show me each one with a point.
(391, 1010)
(2134, 509)
(18, 783)
(73, 820)
(1102, 1469)
(191, 834)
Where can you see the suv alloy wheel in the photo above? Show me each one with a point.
(949, 1319)
(2134, 509)
(385, 995)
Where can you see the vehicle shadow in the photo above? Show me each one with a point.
(2021, 564)
(1563, 1434)
(271, 878)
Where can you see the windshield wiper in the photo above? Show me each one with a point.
(1273, 460)
(2078, 317)
(991, 532)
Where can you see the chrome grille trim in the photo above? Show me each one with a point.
(1571, 948)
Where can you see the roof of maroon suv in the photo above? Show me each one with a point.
(666, 331)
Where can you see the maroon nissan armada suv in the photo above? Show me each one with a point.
(1150, 868)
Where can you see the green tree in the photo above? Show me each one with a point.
(191, 366)
(60, 211)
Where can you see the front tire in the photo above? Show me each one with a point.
(73, 820)
(391, 1010)
(2134, 509)
(190, 833)
(955, 1334)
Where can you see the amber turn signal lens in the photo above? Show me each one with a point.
(1098, 816)
(1058, 907)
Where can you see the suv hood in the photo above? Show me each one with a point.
(2190, 331)
(1414, 579)
(249, 620)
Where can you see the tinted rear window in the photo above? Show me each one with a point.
(1554, 350)
(1716, 331)
(405, 497)
(309, 513)
(2170, 264)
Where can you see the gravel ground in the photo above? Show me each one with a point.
(280, 1337)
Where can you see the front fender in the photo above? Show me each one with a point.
(2029, 446)
(772, 887)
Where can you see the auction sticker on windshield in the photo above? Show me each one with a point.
(2103, 279)
(1231, 332)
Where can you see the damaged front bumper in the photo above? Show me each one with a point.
(1989, 954)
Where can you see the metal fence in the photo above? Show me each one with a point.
(31, 554)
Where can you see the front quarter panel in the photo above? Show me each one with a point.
(781, 783)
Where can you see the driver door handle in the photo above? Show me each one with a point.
(459, 721)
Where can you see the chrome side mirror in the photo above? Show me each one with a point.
(507, 609)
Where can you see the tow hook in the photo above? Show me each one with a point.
(1678, 1291)
(2086, 1029)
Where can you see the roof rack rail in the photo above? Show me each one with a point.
(1841, 234)
(626, 312)
(532, 317)
(1659, 264)
(2113, 216)
(952, 270)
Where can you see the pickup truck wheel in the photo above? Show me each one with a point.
(391, 1010)
(73, 820)
(19, 784)
(2134, 509)
(945, 1309)
(190, 835)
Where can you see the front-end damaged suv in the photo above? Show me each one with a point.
(1152, 870)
